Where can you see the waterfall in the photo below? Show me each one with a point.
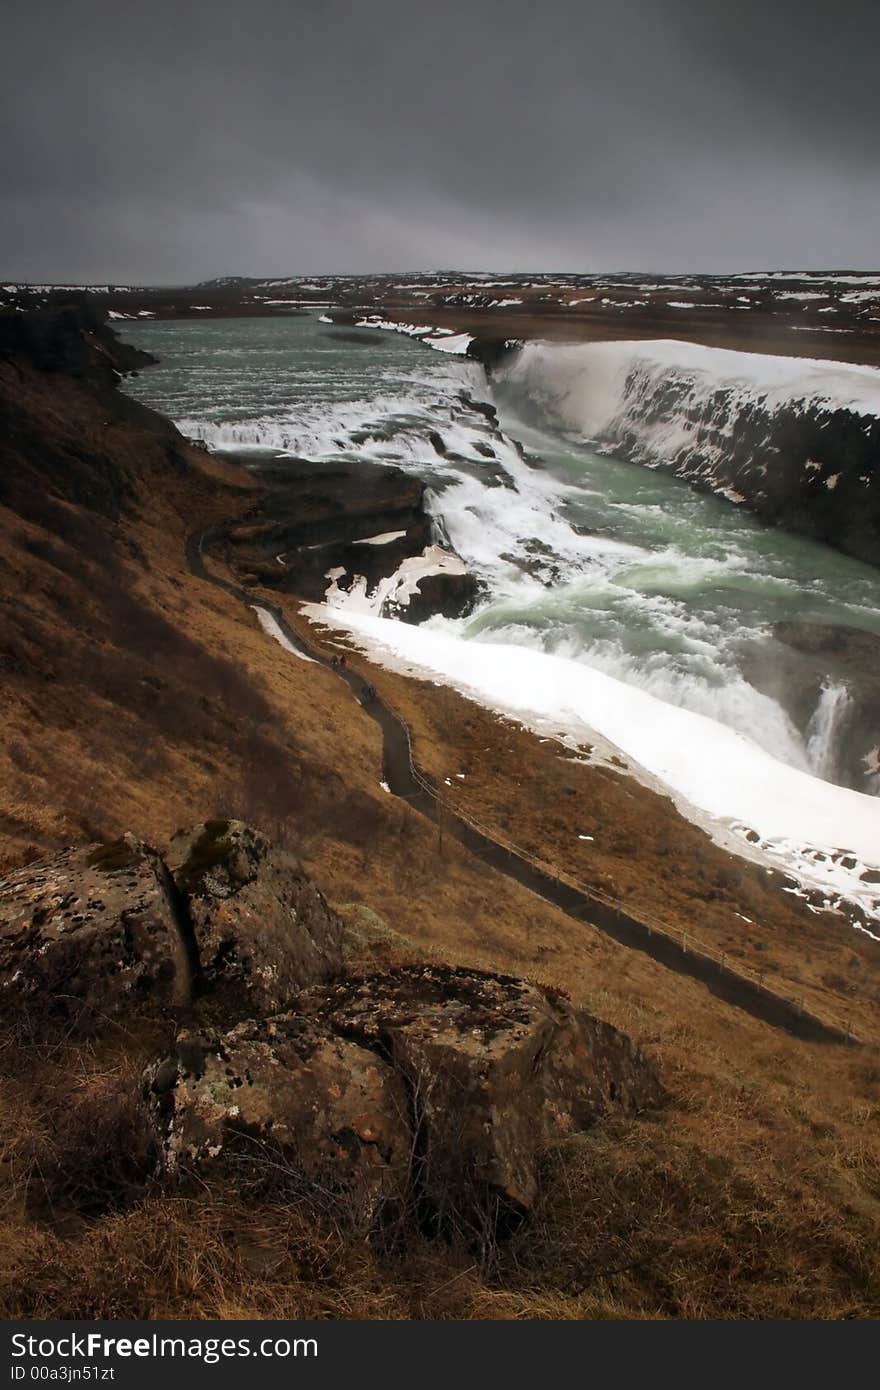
(823, 730)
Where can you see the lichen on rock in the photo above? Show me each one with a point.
(497, 1068)
(94, 926)
(283, 1097)
(421, 1089)
(262, 928)
(434, 1087)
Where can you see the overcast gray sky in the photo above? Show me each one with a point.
(169, 142)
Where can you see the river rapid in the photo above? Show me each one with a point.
(615, 579)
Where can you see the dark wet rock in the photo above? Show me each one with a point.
(807, 468)
(72, 339)
(857, 650)
(437, 443)
(799, 669)
(495, 1068)
(448, 593)
(98, 926)
(481, 407)
(262, 928)
(283, 1097)
(315, 504)
(318, 519)
(492, 352)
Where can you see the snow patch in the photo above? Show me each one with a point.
(385, 539)
(443, 339)
(824, 836)
(270, 626)
(396, 590)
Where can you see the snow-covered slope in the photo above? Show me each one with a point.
(825, 837)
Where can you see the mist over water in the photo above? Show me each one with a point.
(582, 556)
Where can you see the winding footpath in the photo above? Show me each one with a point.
(405, 782)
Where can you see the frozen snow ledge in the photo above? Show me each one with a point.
(443, 339)
(796, 440)
(827, 838)
(401, 594)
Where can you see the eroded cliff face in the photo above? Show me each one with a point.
(796, 442)
(829, 674)
(813, 470)
(318, 517)
(348, 525)
(60, 411)
(73, 339)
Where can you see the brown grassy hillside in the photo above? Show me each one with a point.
(136, 696)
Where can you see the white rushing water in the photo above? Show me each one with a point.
(824, 728)
(825, 836)
(596, 388)
(620, 609)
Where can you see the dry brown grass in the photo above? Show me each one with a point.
(754, 1193)
(531, 792)
(755, 331)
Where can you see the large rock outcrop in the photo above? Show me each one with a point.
(112, 926)
(496, 1069)
(69, 435)
(70, 339)
(283, 1091)
(96, 927)
(435, 1086)
(359, 521)
(796, 443)
(422, 1091)
(262, 929)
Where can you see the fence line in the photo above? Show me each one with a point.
(688, 943)
(646, 920)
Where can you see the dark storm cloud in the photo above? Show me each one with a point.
(176, 141)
